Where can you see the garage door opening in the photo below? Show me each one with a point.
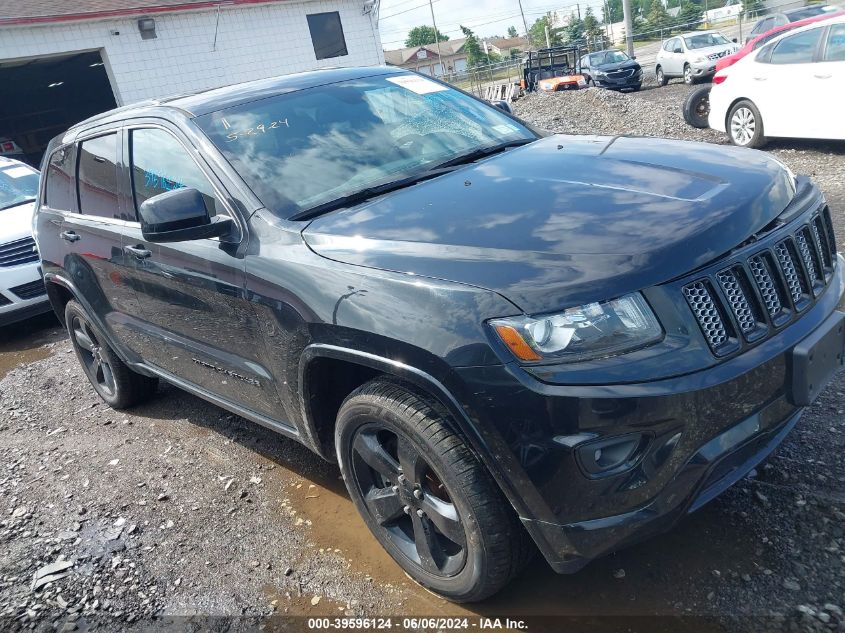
(42, 97)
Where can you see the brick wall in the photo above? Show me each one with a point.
(253, 42)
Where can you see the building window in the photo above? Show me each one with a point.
(327, 35)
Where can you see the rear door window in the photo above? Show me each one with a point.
(59, 192)
(835, 51)
(97, 176)
(797, 49)
(160, 163)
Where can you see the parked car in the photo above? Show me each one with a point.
(505, 339)
(691, 56)
(696, 107)
(781, 18)
(767, 36)
(22, 293)
(792, 87)
(611, 69)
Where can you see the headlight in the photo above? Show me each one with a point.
(600, 73)
(590, 331)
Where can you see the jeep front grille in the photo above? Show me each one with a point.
(748, 300)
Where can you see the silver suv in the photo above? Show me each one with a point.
(692, 56)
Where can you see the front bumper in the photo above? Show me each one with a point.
(700, 70)
(696, 434)
(621, 83)
(22, 293)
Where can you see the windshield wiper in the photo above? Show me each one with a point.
(482, 152)
(17, 204)
(370, 192)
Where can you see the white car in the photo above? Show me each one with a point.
(691, 56)
(22, 292)
(791, 87)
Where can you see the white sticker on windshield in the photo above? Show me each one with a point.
(420, 85)
(17, 172)
(504, 128)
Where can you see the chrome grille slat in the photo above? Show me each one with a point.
(18, 252)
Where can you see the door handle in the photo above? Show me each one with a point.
(138, 251)
(822, 76)
(70, 236)
(760, 78)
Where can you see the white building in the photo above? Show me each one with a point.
(64, 60)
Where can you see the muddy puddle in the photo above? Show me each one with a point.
(24, 342)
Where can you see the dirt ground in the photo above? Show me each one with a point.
(178, 508)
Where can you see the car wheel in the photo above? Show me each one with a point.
(425, 495)
(661, 77)
(745, 125)
(114, 382)
(696, 107)
(688, 78)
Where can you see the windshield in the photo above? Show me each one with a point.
(608, 57)
(809, 12)
(705, 40)
(18, 184)
(304, 149)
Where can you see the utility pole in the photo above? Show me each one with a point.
(548, 42)
(629, 29)
(524, 24)
(436, 38)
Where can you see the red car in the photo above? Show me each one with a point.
(757, 42)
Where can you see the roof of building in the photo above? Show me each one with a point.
(507, 43)
(47, 11)
(402, 55)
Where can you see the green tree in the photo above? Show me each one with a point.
(611, 11)
(422, 35)
(593, 31)
(512, 32)
(475, 54)
(574, 31)
(515, 53)
(690, 15)
(658, 18)
(752, 8)
(537, 33)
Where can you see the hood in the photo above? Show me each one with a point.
(567, 219)
(728, 49)
(628, 63)
(16, 222)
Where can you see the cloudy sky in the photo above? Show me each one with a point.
(485, 17)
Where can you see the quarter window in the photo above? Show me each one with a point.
(796, 49)
(59, 193)
(327, 35)
(835, 44)
(160, 163)
(98, 177)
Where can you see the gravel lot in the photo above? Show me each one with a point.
(178, 508)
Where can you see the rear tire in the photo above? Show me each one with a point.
(425, 495)
(696, 107)
(661, 77)
(114, 382)
(745, 125)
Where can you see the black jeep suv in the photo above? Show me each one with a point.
(500, 335)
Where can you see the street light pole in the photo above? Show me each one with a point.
(436, 39)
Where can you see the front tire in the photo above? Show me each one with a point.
(696, 107)
(688, 76)
(745, 125)
(114, 382)
(425, 496)
(661, 77)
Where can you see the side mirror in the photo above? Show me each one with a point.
(734, 40)
(678, 49)
(502, 105)
(178, 216)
